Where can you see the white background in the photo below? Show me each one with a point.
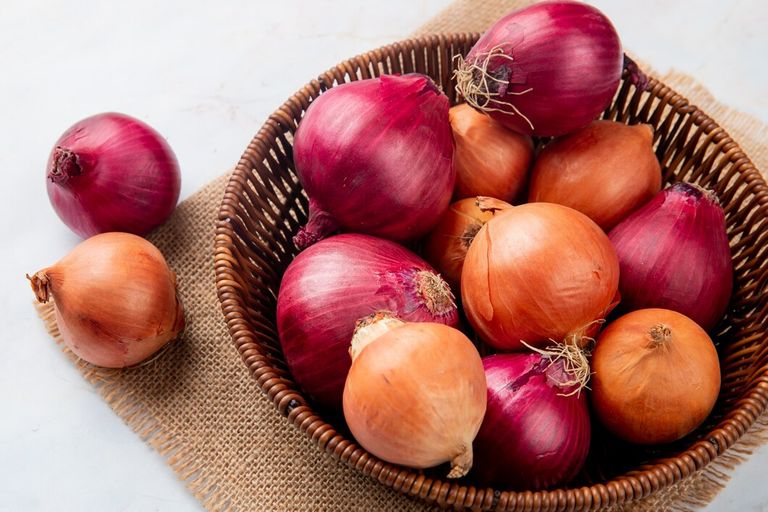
(206, 75)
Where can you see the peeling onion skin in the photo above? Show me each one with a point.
(538, 272)
(416, 396)
(656, 376)
(115, 299)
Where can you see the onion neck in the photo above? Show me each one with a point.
(695, 191)
(371, 327)
(41, 284)
(660, 335)
(435, 292)
(66, 164)
(319, 225)
(461, 463)
(636, 75)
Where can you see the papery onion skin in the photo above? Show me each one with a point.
(416, 396)
(334, 283)
(656, 376)
(538, 272)
(375, 157)
(490, 160)
(533, 435)
(446, 245)
(550, 68)
(115, 299)
(606, 171)
(111, 172)
(674, 254)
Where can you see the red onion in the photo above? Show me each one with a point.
(674, 254)
(335, 283)
(111, 172)
(375, 157)
(548, 69)
(536, 430)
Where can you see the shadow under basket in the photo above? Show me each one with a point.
(264, 206)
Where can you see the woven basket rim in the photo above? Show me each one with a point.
(633, 485)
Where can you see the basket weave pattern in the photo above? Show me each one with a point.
(264, 205)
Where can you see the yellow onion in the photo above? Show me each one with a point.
(446, 246)
(115, 299)
(416, 393)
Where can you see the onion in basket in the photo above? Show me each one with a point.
(415, 394)
(375, 157)
(656, 376)
(544, 70)
(606, 171)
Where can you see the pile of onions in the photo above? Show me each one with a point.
(546, 70)
(674, 254)
(538, 272)
(375, 157)
(536, 431)
(111, 172)
(334, 283)
(415, 394)
(606, 171)
(656, 376)
(115, 299)
(447, 244)
(489, 159)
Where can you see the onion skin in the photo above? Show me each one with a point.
(111, 172)
(656, 376)
(446, 246)
(538, 272)
(333, 284)
(674, 254)
(416, 396)
(375, 157)
(606, 171)
(489, 159)
(552, 67)
(115, 299)
(533, 436)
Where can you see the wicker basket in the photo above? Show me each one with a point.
(264, 205)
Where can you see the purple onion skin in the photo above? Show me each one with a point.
(376, 156)
(567, 53)
(330, 286)
(111, 172)
(531, 437)
(674, 254)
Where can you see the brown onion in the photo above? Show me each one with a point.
(538, 272)
(415, 394)
(115, 299)
(490, 160)
(446, 246)
(606, 171)
(656, 376)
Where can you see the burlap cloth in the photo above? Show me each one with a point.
(198, 406)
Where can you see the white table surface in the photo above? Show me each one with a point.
(206, 75)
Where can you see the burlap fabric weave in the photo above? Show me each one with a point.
(197, 405)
